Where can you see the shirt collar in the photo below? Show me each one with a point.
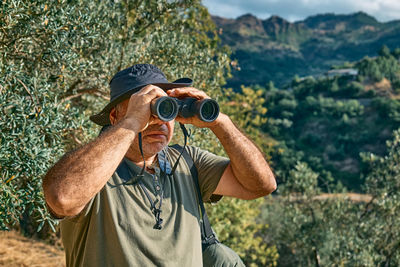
(163, 161)
(162, 164)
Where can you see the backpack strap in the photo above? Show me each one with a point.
(207, 235)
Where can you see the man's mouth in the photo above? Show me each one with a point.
(156, 135)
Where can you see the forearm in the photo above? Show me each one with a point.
(77, 177)
(247, 162)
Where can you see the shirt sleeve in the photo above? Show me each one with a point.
(210, 168)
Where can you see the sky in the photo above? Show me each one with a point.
(294, 10)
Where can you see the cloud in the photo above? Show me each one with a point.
(292, 10)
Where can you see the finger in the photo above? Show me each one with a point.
(149, 92)
(156, 92)
(148, 88)
(183, 120)
(187, 91)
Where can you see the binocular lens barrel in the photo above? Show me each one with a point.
(207, 110)
(167, 108)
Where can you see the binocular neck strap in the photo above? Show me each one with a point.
(186, 135)
(141, 152)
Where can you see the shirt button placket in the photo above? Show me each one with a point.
(156, 184)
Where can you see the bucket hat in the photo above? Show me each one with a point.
(129, 81)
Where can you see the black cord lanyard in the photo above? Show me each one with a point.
(155, 210)
(186, 134)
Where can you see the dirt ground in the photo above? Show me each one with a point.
(19, 251)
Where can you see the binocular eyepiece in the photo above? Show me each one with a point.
(167, 108)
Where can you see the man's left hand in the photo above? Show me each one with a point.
(184, 92)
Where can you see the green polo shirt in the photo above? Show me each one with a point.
(116, 227)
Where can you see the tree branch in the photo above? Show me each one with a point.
(316, 254)
(30, 95)
(73, 86)
(92, 91)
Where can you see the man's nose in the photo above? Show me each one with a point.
(155, 120)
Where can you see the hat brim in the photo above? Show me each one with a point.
(103, 117)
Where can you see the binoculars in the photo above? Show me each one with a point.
(167, 108)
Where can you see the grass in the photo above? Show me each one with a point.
(19, 251)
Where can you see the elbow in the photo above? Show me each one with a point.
(60, 205)
(264, 190)
(273, 185)
(268, 186)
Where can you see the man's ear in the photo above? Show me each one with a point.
(113, 116)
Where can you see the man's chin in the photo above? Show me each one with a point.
(155, 138)
(155, 147)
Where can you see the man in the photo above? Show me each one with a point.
(117, 215)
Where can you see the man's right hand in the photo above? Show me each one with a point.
(136, 110)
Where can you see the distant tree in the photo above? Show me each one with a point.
(309, 230)
(314, 229)
(270, 86)
(396, 53)
(334, 87)
(380, 221)
(296, 79)
(385, 66)
(375, 72)
(384, 51)
(355, 88)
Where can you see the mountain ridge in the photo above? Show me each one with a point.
(275, 49)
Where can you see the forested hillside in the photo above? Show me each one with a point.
(335, 134)
(329, 122)
(276, 50)
(333, 113)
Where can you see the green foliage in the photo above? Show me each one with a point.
(386, 66)
(384, 51)
(302, 180)
(384, 186)
(311, 229)
(247, 111)
(328, 122)
(234, 222)
(333, 108)
(388, 109)
(233, 219)
(396, 53)
(314, 229)
(56, 61)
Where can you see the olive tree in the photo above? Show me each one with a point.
(56, 60)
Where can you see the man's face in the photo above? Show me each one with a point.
(155, 137)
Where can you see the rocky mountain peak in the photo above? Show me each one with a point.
(249, 25)
(277, 20)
